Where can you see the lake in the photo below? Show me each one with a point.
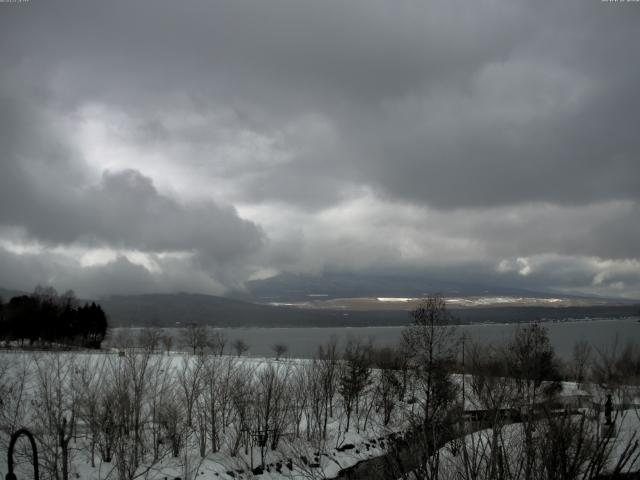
(303, 342)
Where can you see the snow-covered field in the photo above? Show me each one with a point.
(474, 451)
(202, 416)
(29, 382)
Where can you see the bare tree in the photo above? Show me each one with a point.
(580, 360)
(532, 365)
(354, 377)
(216, 400)
(489, 395)
(195, 338)
(121, 338)
(15, 375)
(299, 396)
(328, 365)
(129, 375)
(551, 441)
(106, 421)
(190, 464)
(56, 402)
(173, 423)
(161, 384)
(190, 384)
(272, 399)
(91, 388)
(242, 391)
(431, 344)
(240, 347)
(317, 408)
(388, 381)
(616, 370)
(149, 338)
(279, 349)
(167, 342)
(217, 342)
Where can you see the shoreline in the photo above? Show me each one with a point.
(630, 319)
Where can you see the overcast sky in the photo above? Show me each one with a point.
(160, 146)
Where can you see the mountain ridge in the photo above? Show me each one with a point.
(175, 310)
(296, 287)
(325, 302)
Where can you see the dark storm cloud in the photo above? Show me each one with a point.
(431, 102)
(126, 209)
(356, 135)
(46, 190)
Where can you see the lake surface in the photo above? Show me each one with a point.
(303, 342)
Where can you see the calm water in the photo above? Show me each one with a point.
(303, 342)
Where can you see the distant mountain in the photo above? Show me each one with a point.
(289, 287)
(179, 309)
(182, 309)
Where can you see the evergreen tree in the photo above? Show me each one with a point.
(46, 318)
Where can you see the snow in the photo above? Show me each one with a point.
(478, 444)
(295, 457)
(299, 454)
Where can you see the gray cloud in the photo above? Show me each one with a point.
(475, 139)
(47, 191)
(118, 276)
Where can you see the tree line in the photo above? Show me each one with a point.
(45, 318)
